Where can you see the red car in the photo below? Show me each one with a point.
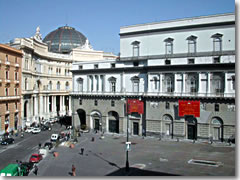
(35, 158)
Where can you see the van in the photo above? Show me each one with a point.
(54, 137)
(12, 170)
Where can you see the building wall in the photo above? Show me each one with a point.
(10, 104)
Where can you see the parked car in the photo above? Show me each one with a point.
(54, 137)
(35, 158)
(231, 139)
(36, 130)
(44, 127)
(49, 145)
(29, 130)
(7, 141)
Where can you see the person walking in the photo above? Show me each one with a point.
(82, 151)
(35, 170)
(73, 170)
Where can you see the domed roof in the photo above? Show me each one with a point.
(64, 39)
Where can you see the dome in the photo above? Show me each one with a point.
(64, 39)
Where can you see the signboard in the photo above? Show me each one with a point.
(128, 146)
(189, 108)
(134, 105)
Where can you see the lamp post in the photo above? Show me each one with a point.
(127, 162)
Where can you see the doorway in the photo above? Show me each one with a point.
(96, 124)
(191, 127)
(135, 128)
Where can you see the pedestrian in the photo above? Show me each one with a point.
(35, 170)
(82, 151)
(73, 170)
(39, 145)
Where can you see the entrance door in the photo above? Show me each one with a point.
(96, 127)
(216, 133)
(113, 126)
(135, 128)
(192, 134)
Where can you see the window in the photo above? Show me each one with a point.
(80, 101)
(16, 91)
(191, 61)
(217, 42)
(80, 67)
(112, 65)
(135, 45)
(80, 84)
(169, 45)
(6, 57)
(169, 84)
(7, 75)
(6, 91)
(16, 106)
(135, 84)
(192, 44)
(155, 83)
(26, 84)
(217, 83)
(95, 66)
(91, 83)
(97, 82)
(16, 60)
(58, 85)
(112, 81)
(193, 84)
(103, 82)
(50, 85)
(167, 106)
(67, 87)
(216, 107)
(95, 102)
(167, 62)
(16, 76)
(233, 82)
(7, 107)
(112, 103)
(216, 60)
(26, 63)
(135, 64)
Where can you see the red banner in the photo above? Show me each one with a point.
(134, 105)
(189, 108)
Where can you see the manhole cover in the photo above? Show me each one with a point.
(139, 166)
(205, 162)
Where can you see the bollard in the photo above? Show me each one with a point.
(55, 154)
(93, 139)
(72, 146)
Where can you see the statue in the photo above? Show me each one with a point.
(87, 45)
(38, 36)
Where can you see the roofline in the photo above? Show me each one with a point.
(8, 48)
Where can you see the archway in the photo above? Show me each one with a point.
(113, 122)
(191, 127)
(217, 128)
(82, 117)
(168, 125)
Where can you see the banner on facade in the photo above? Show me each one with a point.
(134, 105)
(189, 108)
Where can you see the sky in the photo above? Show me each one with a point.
(98, 20)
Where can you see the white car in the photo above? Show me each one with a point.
(36, 130)
(54, 137)
(29, 130)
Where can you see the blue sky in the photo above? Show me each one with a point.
(98, 20)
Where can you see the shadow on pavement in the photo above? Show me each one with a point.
(138, 172)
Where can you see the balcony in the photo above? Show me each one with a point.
(17, 65)
(16, 81)
(7, 63)
(7, 81)
(155, 94)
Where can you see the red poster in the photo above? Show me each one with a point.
(134, 105)
(189, 108)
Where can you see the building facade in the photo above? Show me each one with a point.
(161, 64)
(46, 75)
(10, 88)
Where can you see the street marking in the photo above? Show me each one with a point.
(139, 166)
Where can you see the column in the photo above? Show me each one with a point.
(94, 84)
(64, 107)
(148, 83)
(123, 83)
(226, 82)
(70, 105)
(161, 83)
(209, 83)
(175, 83)
(47, 104)
(41, 104)
(183, 82)
(199, 82)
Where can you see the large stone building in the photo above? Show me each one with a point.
(162, 64)
(10, 88)
(46, 76)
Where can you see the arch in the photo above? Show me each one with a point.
(113, 122)
(168, 123)
(67, 85)
(58, 85)
(217, 128)
(82, 117)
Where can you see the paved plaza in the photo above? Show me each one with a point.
(148, 156)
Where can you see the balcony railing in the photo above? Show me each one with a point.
(156, 94)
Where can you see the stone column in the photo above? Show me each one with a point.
(64, 107)
(70, 105)
(161, 82)
(183, 82)
(175, 83)
(209, 83)
(199, 82)
(225, 82)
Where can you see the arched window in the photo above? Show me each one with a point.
(155, 83)
(67, 86)
(169, 83)
(80, 84)
(217, 42)
(112, 81)
(193, 83)
(135, 84)
(169, 45)
(192, 41)
(58, 85)
(135, 45)
(50, 85)
(218, 83)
